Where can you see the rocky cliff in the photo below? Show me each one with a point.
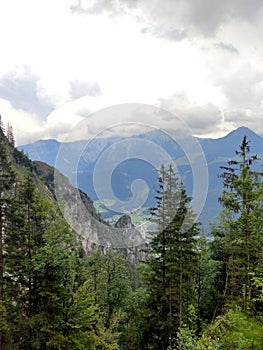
(80, 213)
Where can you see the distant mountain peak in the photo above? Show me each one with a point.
(242, 131)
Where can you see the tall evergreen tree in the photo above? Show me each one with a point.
(171, 268)
(44, 277)
(239, 235)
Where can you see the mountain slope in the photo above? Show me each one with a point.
(226, 146)
(77, 208)
(80, 213)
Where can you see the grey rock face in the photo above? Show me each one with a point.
(93, 232)
(124, 222)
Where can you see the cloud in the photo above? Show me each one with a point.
(117, 120)
(250, 118)
(20, 88)
(27, 126)
(227, 47)
(202, 119)
(102, 6)
(201, 16)
(82, 88)
(170, 18)
(196, 58)
(244, 87)
(173, 34)
(91, 7)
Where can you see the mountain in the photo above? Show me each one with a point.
(76, 207)
(218, 152)
(80, 213)
(89, 164)
(226, 146)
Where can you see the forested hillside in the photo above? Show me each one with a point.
(188, 293)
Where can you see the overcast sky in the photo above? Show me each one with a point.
(62, 60)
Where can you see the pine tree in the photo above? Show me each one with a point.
(171, 268)
(241, 232)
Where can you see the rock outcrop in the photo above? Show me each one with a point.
(124, 222)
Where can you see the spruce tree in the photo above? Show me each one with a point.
(41, 266)
(50, 303)
(171, 268)
(240, 229)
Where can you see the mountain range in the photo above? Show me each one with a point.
(118, 162)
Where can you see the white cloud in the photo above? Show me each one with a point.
(26, 126)
(20, 88)
(203, 119)
(201, 60)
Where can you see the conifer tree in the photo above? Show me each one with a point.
(49, 303)
(171, 268)
(41, 267)
(240, 230)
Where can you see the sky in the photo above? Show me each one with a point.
(64, 60)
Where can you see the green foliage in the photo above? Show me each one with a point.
(170, 276)
(233, 331)
(239, 235)
(208, 293)
(236, 330)
(47, 303)
(107, 275)
(187, 340)
(3, 318)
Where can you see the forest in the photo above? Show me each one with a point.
(190, 292)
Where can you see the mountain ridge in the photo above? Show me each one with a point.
(240, 130)
(216, 152)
